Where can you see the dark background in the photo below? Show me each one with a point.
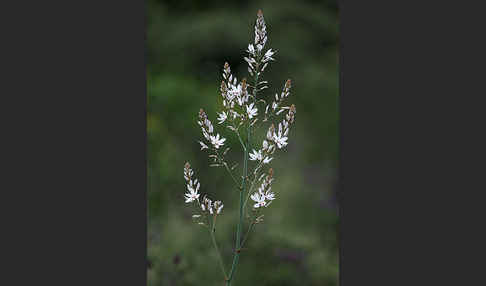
(187, 45)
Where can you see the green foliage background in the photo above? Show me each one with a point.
(187, 45)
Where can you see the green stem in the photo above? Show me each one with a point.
(247, 233)
(251, 186)
(231, 174)
(221, 264)
(240, 223)
(242, 196)
(239, 138)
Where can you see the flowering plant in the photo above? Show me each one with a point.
(240, 114)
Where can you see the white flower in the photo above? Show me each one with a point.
(285, 124)
(192, 186)
(205, 133)
(240, 100)
(280, 138)
(269, 53)
(268, 56)
(259, 47)
(256, 155)
(269, 195)
(209, 125)
(274, 105)
(233, 91)
(259, 199)
(203, 146)
(272, 148)
(265, 145)
(252, 112)
(209, 205)
(251, 49)
(250, 60)
(192, 195)
(222, 117)
(216, 141)
(218, 206)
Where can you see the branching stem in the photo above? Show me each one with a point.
(236, 256)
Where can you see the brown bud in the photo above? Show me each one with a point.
(226, 65)
(272, 128)
(270, 172)
(202, 114)
(260, 13)
(223, 86)
(187, 165)
(293, 109)
(288, 84)
(243, 83)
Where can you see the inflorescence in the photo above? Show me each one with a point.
(240, 113)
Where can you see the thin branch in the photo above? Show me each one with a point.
(247, 233)
(220, 258)
(238, 185)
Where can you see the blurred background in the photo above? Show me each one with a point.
(188, 42)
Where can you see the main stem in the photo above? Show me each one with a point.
(240, 223)
(242, 195)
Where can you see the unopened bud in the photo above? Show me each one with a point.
(293, 109)
(288, 84)
(223, 87)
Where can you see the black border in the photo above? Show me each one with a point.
(76, 143)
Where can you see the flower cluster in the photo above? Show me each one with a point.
(232, 91)
(258, 156)
(255, 52)
(279, 100)
(280, 137)
(210, 206)
(275, 138)
(208, 130)
(255, 58)
(207, 206)
(264, 196)
(192, 185)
